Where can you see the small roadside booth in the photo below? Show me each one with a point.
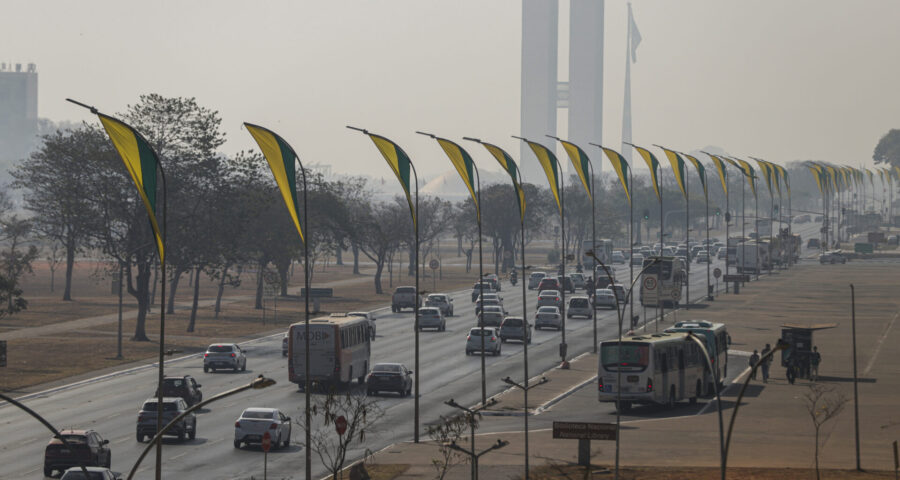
(800, 342)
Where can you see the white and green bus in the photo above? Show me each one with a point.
(660, 368)
(716, 339)
(662, 281)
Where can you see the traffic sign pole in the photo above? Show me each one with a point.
(266, 445)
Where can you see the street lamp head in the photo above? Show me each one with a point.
(262, 382)
(472, 139)
(426, 134)
(363, 130)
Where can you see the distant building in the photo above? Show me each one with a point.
(18, 111)
(543, 93)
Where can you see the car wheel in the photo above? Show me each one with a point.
(287, 441)
(213, 369)
(193, 433)
(244, 366)
(181, 436)
(205, 369)
(468, 353)
(277, 443)
(529, 340)
(108, 463)
(235, 368)
(237, 444)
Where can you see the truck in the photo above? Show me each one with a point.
(603, 248)
(404, 297)
(747, 254)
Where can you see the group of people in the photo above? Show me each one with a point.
(803, 364)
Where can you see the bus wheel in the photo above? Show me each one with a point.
(670, 401)
(696, 393)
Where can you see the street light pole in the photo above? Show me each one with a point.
(525, 388)
(715, 371)
(470, 414)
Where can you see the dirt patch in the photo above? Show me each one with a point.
(574, 472)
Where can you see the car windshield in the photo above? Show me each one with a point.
(167, 407)
(436, 298)
(74, 439)
(406, 290)
(512, 322)
(220, 348)
(548, 310)
(385, 367)
(492, 316)
(549, 293)
(477, 332)
(173, 383)
(256, 414)
(428, 311)
(578, 302)
(604, 293)
(79, 475)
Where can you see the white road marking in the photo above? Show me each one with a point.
(879, 343)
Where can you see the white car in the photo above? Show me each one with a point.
(834, 256)
(580, 307)
(604, 297)
(547, 317)
(95, 473)
(618, 257)
(224, 355)
(535, 279)
(255, 422)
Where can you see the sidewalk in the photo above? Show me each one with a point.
(773, 427)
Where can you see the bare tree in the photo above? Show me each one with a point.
(55, 256)
(449, 430)
(823, 404)
(358, 411)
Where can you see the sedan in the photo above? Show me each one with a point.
(580, 307)
(834, 256)
(515, 328)
(442, 301)
(703, 257)
(547, 317)
(637, 259)
(224, 355)
(390, 377)
(604, 297)
(549, 298)
(484, 340)
(253, 424)
(86, 446)
(431, 317)
(620, 293)
(94, 473)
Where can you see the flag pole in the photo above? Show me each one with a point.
(416, 317)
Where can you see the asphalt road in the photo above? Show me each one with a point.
(110, 405)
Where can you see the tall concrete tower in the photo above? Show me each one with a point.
(540, 19)
(18, 111)
(543, 93)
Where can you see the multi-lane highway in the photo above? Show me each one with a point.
(110, 405)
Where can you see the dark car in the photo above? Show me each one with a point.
(569, 285)
(394, 377)
(185, 387)
(515, 328)
(548, 284)
(87, 447)
(172, 407)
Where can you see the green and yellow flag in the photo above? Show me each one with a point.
(677, 168)
(871, 177)
(621, 167)
(701, 171)
(784, 177)
(550, 165)
(767, 172)
(897, 171)
(776, 176)
(748, 172)
(512, 169)
(464, 164)
(881, 176)
(723, 174)
(817, 174)
(400, 164)
(141, 162)
(653, 165)
(581, 162)
(282, 161)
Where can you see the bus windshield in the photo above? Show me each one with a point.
(632, 355)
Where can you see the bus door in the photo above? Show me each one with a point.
(662, 389)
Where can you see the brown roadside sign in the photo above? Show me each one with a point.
(584, 430)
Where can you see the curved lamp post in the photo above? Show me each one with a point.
(655, 260)
(47, 424)
(781, 345)
(715, 372)
(257, 383)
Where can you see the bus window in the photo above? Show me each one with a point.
(631, 355)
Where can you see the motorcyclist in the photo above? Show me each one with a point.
(513, 277)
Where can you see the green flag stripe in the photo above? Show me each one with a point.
(510, 166)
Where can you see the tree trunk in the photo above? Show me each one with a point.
(261, 265)
(70, 265)
(170, 309)
(221, 290)
(413, 262)
(140, 293)
(193, 320)
(379, 267)
(155, 282)
(339, 252)
(283, 278)
(459, 250)
(355, 250)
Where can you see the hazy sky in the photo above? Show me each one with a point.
(780, 80)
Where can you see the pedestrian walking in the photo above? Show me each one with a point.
(766, 363)
(814, 360)
(754, 359)
(791, 374)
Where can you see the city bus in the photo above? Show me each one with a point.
(662, 281)
(716, 340)
(603, 249)
(660, 368)
(340, 348)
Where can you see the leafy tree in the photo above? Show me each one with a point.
(382, 226)
(888, 149)
(15, 260)
(55, 183)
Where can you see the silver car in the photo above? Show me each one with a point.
(580, 307)
(535, 279)
(224, 355)
(619, 290)
(441, 301)
(491, 319)
(547, 317)
(487, 302)
(491, 341)
(549, 298)
(515, 328)
(604, 297)
(255, 422)
(431, 317)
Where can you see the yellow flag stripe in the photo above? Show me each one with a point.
(274, 155)
(457, 158)
(653, 165)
